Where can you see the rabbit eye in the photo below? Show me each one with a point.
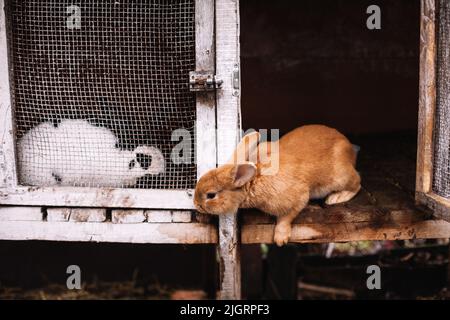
(211, 195)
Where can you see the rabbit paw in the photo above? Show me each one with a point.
(339, 197)
(282, 234)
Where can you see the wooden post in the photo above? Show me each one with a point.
(230, 263)
(427, 97)
(434, 104)
(7, 150)
(228, 134)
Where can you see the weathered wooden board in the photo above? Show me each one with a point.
(183, 233)
(87, 215)
(427, 96)
(206, 101)
(128, 216)
(433, 78)
(181, 216)
(438, 204)
(7, 151)
(58, 214)
(339, 214)
(159, 216)
(97, 197)
(228, 126)
(322, 232)
(20, 214)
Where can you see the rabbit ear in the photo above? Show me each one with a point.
(243, 173)
(245, 150)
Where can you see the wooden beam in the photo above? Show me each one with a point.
(434, 106)
(206, 155)
(159, 216)
(97, 197)
(343, 225)
(8, 176)
(87, 215)
(175, 233)
(58, 214)
(181, 216)
(228, 134)
(20, 214)
(427, 96)
(127, 216)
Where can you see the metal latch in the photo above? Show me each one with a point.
(203, 81)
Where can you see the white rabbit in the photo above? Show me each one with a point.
(77, 153)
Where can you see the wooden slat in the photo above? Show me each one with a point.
(98, 197)
(206, 113)
(58, 214)
(228, 104)
(230, 263)
(181, 216)
(20, 214)
(339, 214)
(391, 228)
(429, 71)
(87, 215)
(158, 216)
(185, 233)
(438, 204)
(128, 216)
(8, 176)
(427, 96)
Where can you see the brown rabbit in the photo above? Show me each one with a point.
(314, 161)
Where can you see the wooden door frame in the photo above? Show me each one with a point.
(427, 112)
(228, 135)
(12, 193)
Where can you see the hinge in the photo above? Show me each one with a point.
(203, 81)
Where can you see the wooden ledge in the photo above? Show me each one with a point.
(347, 223)
(175, 233)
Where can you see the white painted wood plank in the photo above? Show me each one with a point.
(21, 214)
(228, 105)
(58, 214)
(8, 176)
(228, 98)
(128, 216)
(181, 216)
(87, 215)
(159, 216)
(98, 197)
(206, 115)
(186, 233)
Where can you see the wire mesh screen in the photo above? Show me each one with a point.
(98, 87)
(441, 166)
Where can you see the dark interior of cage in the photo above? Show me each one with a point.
(316, 62)
(96, 103)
